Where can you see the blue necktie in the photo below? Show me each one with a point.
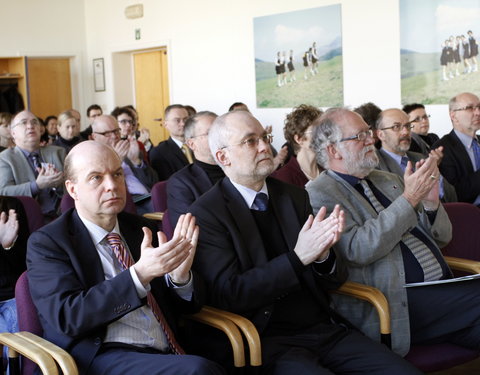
(261, 202)
(403, 163)
(476, 153)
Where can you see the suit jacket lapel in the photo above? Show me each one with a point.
(23, 164)
(177, 151)
(246, 226)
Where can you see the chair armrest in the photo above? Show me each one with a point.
(19, 345)
(228, 327)
(154, 216)
(373, 296)
(248, 329)
(465, 265)
(64, 360)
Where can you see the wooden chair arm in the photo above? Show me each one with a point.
(154, 216)
(372, 295)
(19, 345)
(248, 329)
(64, 360)
(465, 265)
(228, 327)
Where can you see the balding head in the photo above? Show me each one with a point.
(465, 113)
(105, 130)
(94, 179)
(25, 129)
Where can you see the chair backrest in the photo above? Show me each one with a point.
(34, 213)
(465, 242)
(167, 225)
(159, 196)
(67, 202)
(27, 317)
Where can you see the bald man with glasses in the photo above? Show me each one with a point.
(461, 160)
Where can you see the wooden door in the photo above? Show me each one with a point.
(49, 86)
(151, 91)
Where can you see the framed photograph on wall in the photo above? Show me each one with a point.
(438, 49)
(99, 74)
(299, 58)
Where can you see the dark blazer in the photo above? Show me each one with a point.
(183, 188)
(233, 261)
(457, 168)
(167, 158)
(74, 301)
(146, 175)
(387, 163)
(423, 144)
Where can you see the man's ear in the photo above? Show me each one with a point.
(222, 157)
(71, 189)
(381, 135)
(191, 144)
(333, 152)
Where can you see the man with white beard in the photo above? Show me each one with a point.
(394, 229)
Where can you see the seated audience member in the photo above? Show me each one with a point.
(173, 154)
(93, 112)
(369, 112)
(393, 129)
(31, 170)
(422, 140)
(139, 176)
(186, 185)
(6, 140)
(191, 111)
(127, 121)
(78, 117)
(13, 240)
(264, 256)
(142, 134)
(109, 294)
(51, 123)
(67, 128)
(238, 106)
(460, 164)
(393, 234)
(302, 167)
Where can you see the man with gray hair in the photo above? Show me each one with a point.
(461, 161)
(265, 256)
(393, 233)
(186, 185)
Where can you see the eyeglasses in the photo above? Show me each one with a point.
(467, 108)
(396, 127)
(33, 122)
(420, 118)
(108, 133)
(253, 141)
(125, 122)
(360, 136)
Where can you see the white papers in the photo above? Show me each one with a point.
(454, 280)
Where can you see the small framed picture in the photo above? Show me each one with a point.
(98, 74)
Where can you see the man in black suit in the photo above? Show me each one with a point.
(173, 154)
(139, 176)
(394, 129)
(264, 256)
(461, 160)
(186, 185)
(99, 283)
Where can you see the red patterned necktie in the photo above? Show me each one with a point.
(116, 243)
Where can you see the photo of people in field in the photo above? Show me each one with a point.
(438, 49)
(298, 58)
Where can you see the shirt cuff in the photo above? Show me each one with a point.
(183, 291)
(141, 290)
(34, 188)
(326, 266)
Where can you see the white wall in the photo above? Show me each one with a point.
(210, 45)
(47, 28)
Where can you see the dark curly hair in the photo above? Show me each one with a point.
(298, 121)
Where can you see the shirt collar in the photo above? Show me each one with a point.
(249, 194)
(177, 142)
(96, 232)
(352, 180)
(395, 157)
(465, 139)
(28, 153)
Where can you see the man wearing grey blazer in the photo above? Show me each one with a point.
(393, 233)
(31, 170)
(394, 130)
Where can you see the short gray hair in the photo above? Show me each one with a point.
(219, 135)
(326, 132)
(189, 129)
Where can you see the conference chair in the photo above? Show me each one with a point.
(235, 327)
(33, 211)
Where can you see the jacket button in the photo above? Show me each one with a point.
(267, 313)
(97, 341)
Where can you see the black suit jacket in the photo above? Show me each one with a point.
(167, 158)
(183, 188)
(74, 301)
(232, 259)
(457, 168)
(146, 175)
